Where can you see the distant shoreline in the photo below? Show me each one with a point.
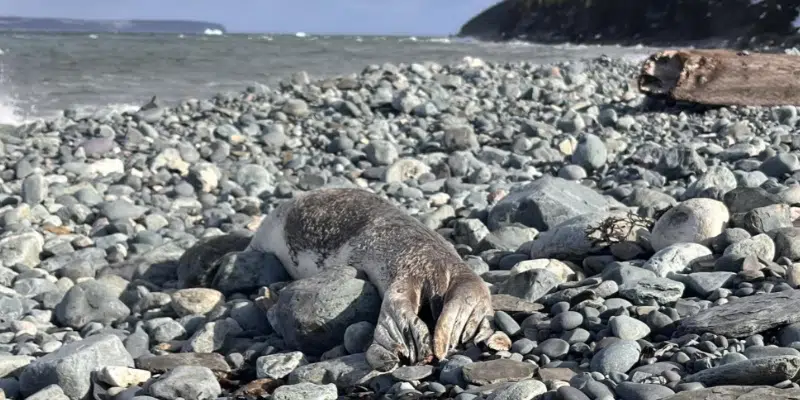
(12, 24)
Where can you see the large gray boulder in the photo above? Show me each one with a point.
(90, 301)
(547, 202)
(312, 314)
(71, 366)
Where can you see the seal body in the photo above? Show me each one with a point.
(411, 265)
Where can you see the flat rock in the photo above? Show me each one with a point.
(746, 316)
(412, 373)
(760, 371)
(556, 374)
(736, 392)
(645, 290)
(513, 304)
(527, 389)
(642, 391)
(675, 258)
(163, 363)
(530, 285)
(497, 371)
(305, 391)
(344, 371)
(704, 283)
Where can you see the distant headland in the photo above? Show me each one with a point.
(740, 23)
(27, 24)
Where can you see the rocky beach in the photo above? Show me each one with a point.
(635, 250)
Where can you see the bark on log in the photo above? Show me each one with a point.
(722, 77)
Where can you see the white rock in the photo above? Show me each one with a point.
(170, 158)
(405, 169)
(306, 391)
(13, 364)
(196, 301)
(107, 166)
(278, 366)
(123, 376)
(208, 175)
(675, 258)
(692, 221)
(628, 328)
(560, 269)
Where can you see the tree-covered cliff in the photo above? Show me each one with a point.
(641, 21)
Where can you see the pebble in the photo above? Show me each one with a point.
(619, 356)
(628, 328)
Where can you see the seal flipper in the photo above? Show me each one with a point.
(465, 315)
(400, 335)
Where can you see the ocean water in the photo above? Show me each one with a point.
(43, 74)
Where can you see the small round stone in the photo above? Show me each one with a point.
(566, 321)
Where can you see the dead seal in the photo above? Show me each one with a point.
(416, 270)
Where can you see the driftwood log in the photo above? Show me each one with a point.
(722, 77)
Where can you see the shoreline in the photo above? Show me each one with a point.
(130, 109)
(27, 96)
(610, 233)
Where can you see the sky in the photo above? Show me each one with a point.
(413, 17)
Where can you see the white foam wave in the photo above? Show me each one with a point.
(113, 108)
(439, 40)
(10, 111)
(10, 114)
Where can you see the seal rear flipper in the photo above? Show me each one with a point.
(465, 315)
(400, 337)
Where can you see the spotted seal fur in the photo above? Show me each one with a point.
(416, 270)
